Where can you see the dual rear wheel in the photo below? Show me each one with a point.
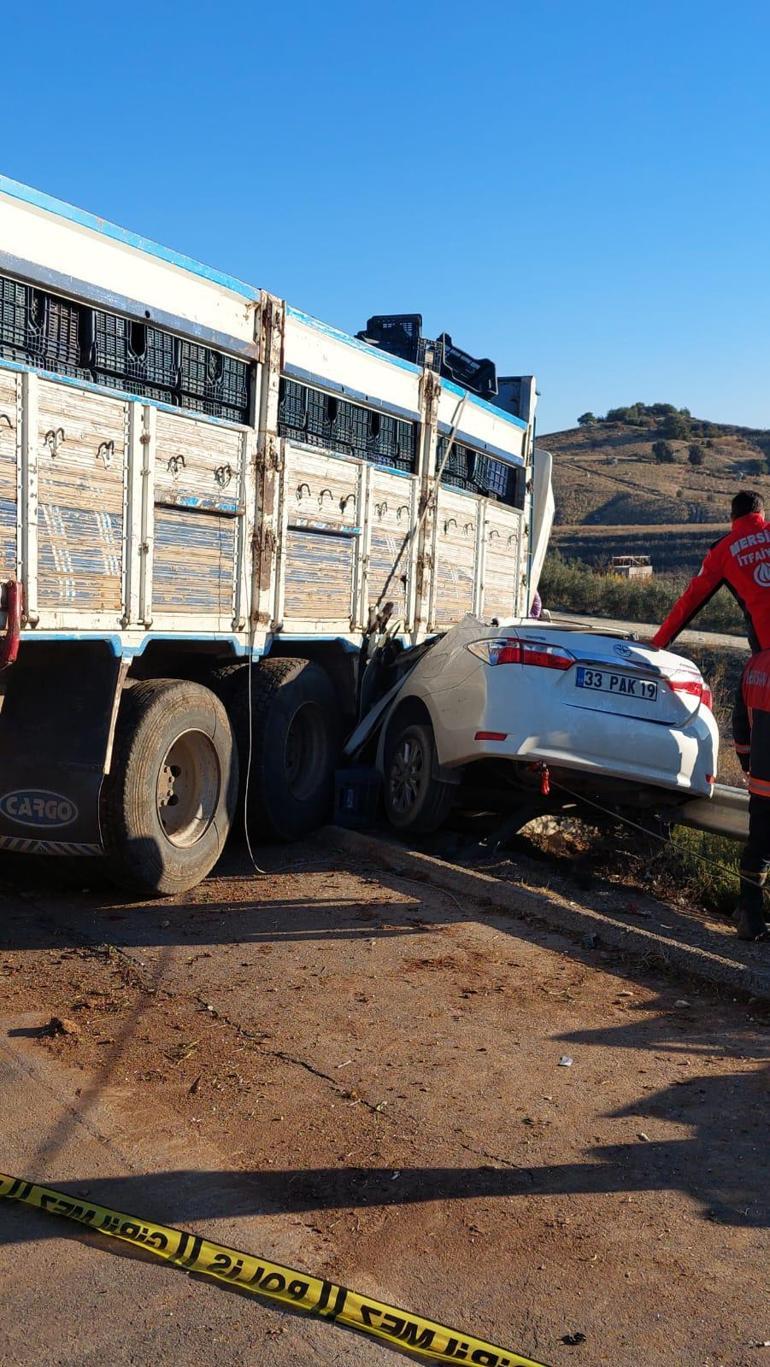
(172, 794)
(173, 791)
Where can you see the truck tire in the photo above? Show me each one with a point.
(415, 801)
(295, 722)
(172, 790)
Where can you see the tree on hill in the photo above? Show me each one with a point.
(663, 452)
(676, 426)
(695, 455)
(645, 415)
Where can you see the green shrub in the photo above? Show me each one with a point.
(676, 426)
(663, 452)
(707, 865)
(571, 586)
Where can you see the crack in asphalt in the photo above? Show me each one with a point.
(137, 971)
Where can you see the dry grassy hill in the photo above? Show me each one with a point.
(627, 483)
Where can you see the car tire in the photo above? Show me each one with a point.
(295, 743)
(415, 801)
(170, 797)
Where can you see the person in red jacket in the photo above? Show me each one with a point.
(751, 733)
(741, 560)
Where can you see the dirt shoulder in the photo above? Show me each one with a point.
(378, 1067)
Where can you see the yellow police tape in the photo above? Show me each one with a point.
(298, 1290)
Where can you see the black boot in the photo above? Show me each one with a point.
(749, 915)
(749, 922)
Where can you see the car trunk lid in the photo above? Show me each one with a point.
(611, 674)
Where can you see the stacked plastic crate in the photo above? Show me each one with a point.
(40, 329)
(213, 382)
(52, 333)
(133, 355)
(319, 419)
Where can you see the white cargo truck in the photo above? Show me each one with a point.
(205, 497)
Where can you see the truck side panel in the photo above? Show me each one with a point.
(390, 563)
(456, 531)
(197, 487)
(115, 513)
(321, 520)
(10, 442)
(504, 590)
(81, 460)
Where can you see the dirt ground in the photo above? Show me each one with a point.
(383, 1071)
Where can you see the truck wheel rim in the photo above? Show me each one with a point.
(305, 751)
(406, 775)
(189, 783)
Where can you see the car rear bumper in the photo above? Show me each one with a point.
(679, 760)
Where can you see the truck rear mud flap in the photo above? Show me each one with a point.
(56, 722)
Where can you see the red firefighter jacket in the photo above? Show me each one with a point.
(751, 723)
(741, 560)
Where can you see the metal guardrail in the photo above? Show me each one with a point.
(725, 813)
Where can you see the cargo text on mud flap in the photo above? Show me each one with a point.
(38, 807)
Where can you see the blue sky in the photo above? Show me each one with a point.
(576, 189)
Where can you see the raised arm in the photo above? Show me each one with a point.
(698, 591)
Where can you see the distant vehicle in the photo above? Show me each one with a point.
(487, 707)
(631, 566)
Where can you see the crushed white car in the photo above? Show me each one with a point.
(489, 712)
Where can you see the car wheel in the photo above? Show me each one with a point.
(415, 801)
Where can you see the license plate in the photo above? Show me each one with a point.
(607, 681)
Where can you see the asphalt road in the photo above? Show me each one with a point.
(355, 1072)
(646, 630)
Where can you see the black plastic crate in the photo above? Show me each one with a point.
(397, 333)
(356, 797)
(394, 444)
(134, 352)
(459, 468)
(61, 338)
(431, 351)
(212, 407)
(360, 429)
(214, 376)
(406, 440)
(347, 426)
(318, 416)
(40, 328)
(498, 480)
(136, 387)
(14, 315)
(340, 423)
(292, 407)
(479, 376)
(387, 441)
(393, 463)
(329, 421)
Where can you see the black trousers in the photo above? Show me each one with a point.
(755, 860)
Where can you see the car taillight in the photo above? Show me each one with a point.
(508, 650)
(695, 687)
